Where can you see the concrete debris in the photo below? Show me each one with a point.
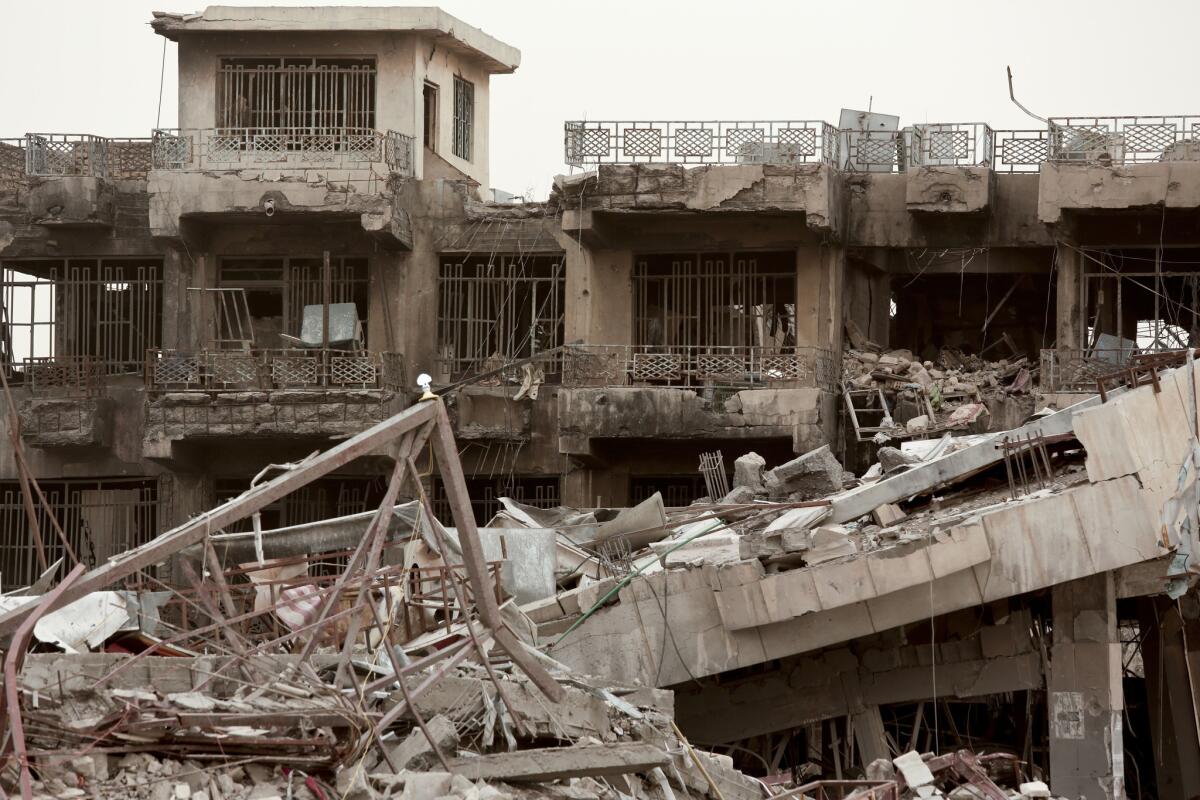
(817, 473)
(748, 472)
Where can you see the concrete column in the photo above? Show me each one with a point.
(416, 315)
(820, 281)
(1085, 698)
(1069, 310)
(385, 302)
(176, 276)
(599, 295)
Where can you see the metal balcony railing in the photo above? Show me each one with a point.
(83, 154)
(964, 144)
(264, 370)
(1125, 140)
(1020, 150)
(697, 366)
(1077, 370)
(708, 142)
(197, 149)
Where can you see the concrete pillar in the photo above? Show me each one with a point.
(176, 275)
(599, 295)
(1069, 310)
(869, 735)
(1085, 698)
(416, 316)
(820, 281)
(385, 302)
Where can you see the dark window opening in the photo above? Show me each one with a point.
(537, 491)
(106, 310)
(430, 107)
(496, 309)
(101, 517)
(677, 490)
(715, 300)
(302, 94)
(278, 289)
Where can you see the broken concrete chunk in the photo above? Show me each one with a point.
(415, 752)
(887, 514)
(1034, 789)
(738, 495)
(917, 424)
(748, 472)
(913, 769)
(890, 458)
(817, 473)
(829, 542)
(881, 770)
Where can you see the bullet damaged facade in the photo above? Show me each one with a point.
(767, 458)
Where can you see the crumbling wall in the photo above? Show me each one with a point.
(176, 416)
(804, 415)
(66, 422)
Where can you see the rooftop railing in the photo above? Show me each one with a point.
(1125, 140)
(1100, 140)
(743, 142)
(199, 149)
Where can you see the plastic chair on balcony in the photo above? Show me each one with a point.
(345, 328)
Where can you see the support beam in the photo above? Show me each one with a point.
(554, 763)
(1085, 698)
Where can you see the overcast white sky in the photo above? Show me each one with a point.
(92, 66)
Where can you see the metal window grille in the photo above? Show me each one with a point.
(498, 308)
(677, 490)
(297, 282)
(314, 94)
(100, 517)
(464, 118)
(105, 310)
(714, 300)
(536, 491)
(335, 496)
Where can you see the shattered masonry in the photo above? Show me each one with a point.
(763, 459)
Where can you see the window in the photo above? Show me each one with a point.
(100, 517)
(464, 118)
(108, 310)
(538, 491)
(311, 94)
(278, 289)
(716, 300)
(431, 111)
(498, 308)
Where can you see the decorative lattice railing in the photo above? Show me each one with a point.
(1125, 140)
(236, 370)
(193, 149)
(697, 367)
(744, 142)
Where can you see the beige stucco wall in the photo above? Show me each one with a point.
(404, 62)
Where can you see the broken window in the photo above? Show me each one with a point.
(538, 491)
(102, 309)
(464, 118)
(496, 309)
(299, 93)
(704, 300)
(278, 289)
(100, 517)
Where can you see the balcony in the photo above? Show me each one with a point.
(354, 150)
(267, 393)
(685, 392)
(780, 142)
(64, 401)
(344, 173)
(72, 179)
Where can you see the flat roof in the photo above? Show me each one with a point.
(497, 56)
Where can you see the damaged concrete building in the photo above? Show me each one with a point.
(862, 439)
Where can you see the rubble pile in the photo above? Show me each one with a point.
(925, 397)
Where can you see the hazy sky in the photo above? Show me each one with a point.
(93, 66)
